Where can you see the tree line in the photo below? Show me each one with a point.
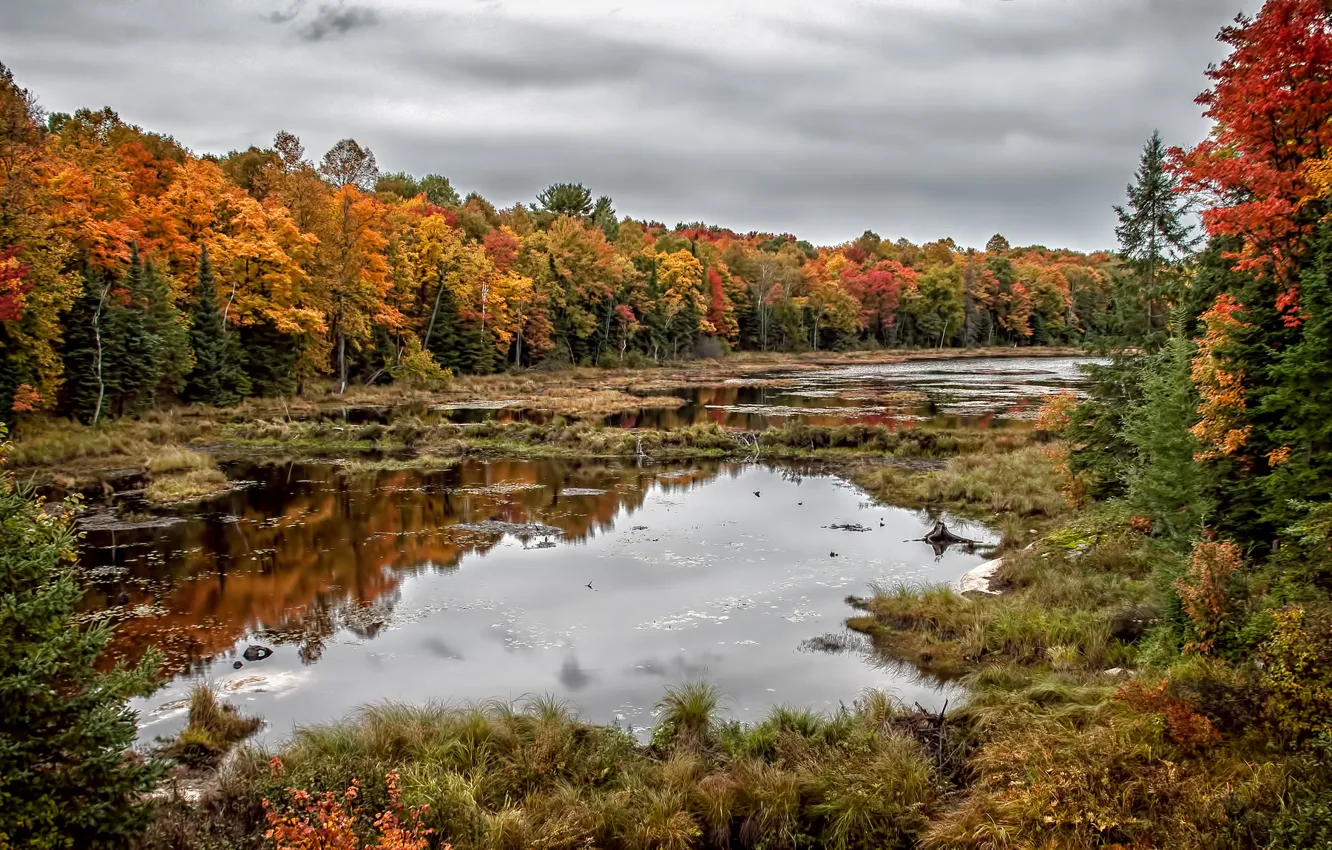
(133, 272)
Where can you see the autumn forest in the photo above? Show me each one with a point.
(135, 271)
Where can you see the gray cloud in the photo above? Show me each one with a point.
(821, 117)
(337, 20)
(285, 16)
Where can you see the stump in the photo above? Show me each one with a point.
(941, 535)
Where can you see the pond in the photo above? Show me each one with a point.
(594, 581)
(990, 392)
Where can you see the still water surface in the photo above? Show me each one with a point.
(472, 583)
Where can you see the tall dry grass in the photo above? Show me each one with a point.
(533, 776)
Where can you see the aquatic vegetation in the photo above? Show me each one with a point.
(186, 486)
(177, 459)
(213, 728)
(1017, 482)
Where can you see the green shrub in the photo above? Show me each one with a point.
(65, 779)
(1297, 665)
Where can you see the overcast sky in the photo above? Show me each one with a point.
(916, 118)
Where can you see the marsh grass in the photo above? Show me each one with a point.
(177, 459)
(186, 486)
(212, 729)
(1072, 610)
(533, 776)
(1059, 762)
(49, 443)
(1015, 482)
(686, 715)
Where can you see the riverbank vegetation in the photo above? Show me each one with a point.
(90, 459)
(534, 776)
(1155, 672)
(67, 778)
(212, 728)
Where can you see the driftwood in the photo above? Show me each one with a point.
(749, 441)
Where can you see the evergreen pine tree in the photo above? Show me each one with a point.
(478, 349)
(9, 377)
(378, 360)
(131, 355)
(1165, 483)
(1153, 235)
(443, 331)
(267, 358)
(64, 780)
(80, 391)
(171, 336)
(686, 328)
(1299, 405)
(217, 377)
(1040, 332)
(1254, 351)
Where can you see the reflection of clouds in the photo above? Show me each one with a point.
(678, 667)
(573, 676)
(440, 649)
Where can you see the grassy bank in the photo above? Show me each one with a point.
(533, 776)
(1083, 725)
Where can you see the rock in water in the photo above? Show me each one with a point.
(255, 652)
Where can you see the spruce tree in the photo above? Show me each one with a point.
(1298, 409)
(1253, 350)
(217, 377)
(443, 330)
(65, 727)
(1166, 484)
(478, 349)
(81, 389)
(378, 360)
(267, 357)
(131, 355)
(1153, 234)
(170, 334)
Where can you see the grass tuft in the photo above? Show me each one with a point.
(212, 729)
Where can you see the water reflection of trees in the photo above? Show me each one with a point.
(307, 551)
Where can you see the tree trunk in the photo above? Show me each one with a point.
(435, 312)
(342, 359)
(97, 334)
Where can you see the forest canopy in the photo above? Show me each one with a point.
(135, 271)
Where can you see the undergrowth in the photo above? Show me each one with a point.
(533, 776)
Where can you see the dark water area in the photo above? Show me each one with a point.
(472, 583)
